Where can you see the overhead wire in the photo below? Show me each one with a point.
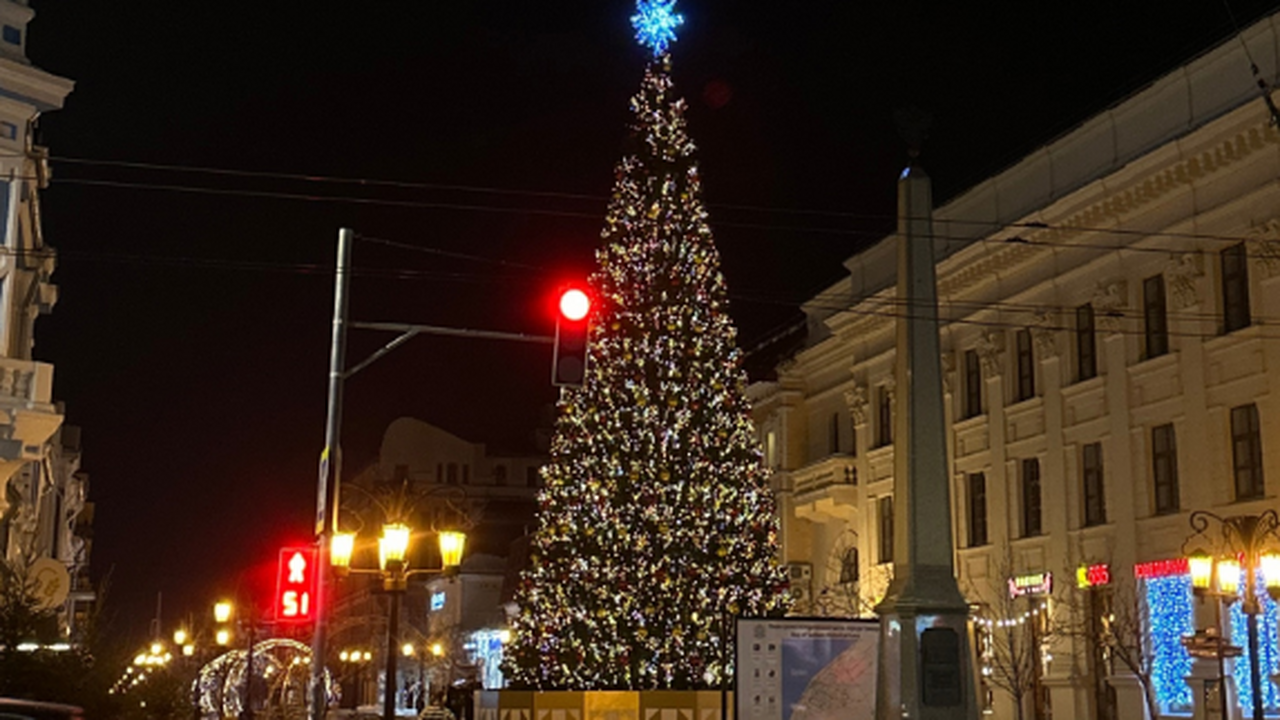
(837, 304)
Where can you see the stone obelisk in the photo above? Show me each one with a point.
(926, 660)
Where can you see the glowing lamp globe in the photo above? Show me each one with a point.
(1229, 576)
(1201, 567)
(451, 546)
(1270, 563)
(341, 547)
(222, 611)
(393, 546)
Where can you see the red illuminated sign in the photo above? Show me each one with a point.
(1088, 576)
(296, 584)
(1160, 568)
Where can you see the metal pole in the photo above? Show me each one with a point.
(1255, 673)
(393, 632)
(246, 712)
(330, 470)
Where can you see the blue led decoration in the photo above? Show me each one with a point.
(655, 22)
(1266, 650)
(1169, 606)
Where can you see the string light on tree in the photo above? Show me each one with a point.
(656, 522)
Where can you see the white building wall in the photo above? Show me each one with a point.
(1157, 185)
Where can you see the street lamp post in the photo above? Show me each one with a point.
(328, 492)
(1246, 543)
(222, 612)
(393, 567)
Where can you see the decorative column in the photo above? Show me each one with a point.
(926, 659)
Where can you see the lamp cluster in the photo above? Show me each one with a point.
(1227, 572)
(393, 549)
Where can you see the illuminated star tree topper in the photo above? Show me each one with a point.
(655, 22)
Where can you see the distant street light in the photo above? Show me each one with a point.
(393, 567)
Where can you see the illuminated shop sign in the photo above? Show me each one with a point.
(1032, 584)
(1160, 568)
(1088, 576)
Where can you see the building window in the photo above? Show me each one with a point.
(1031, 525)
(1235, 288)
(452, 477)
(1086, 344)
(500, 475)
(849, 566)
(1164, 469)
(1246, 451)
(1095, 496)
(835, 433)
(972, 384)
(5, 190)
(1155, 319)
(12, 35)
(8, 131)
(1026, 365)
(886, 529)
(977, 509)
(884, 416)
(466, 474)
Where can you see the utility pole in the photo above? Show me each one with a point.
(926, 662)
(330, 471)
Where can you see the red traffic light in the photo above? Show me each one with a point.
(569, 361)
(574, 304)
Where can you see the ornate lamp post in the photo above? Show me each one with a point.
(393, 566)
(1244, 543)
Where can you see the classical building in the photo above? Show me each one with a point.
(43, 507)
(1111, 362)
(498, 491)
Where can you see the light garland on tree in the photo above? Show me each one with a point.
(1267, 655)
(656, 523)
(1169, 609)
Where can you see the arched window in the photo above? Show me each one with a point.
(849, 566)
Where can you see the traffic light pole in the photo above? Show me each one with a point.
(330, 472)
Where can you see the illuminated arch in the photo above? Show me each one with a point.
(282, 669)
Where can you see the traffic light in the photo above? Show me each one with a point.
(569, 363)
(296, 584)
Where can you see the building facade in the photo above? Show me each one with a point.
(444, 482)
(1111, 364)
(44, 511)
(498, 491)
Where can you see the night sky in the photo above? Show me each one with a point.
(191, 337)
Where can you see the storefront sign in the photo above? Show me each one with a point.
(1160, 568)
(1032, 584)
(1088, 576)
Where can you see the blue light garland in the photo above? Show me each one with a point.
(1266, 650)
(655, 22)
(1169, 604)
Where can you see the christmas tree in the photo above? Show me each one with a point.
(656, 525)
